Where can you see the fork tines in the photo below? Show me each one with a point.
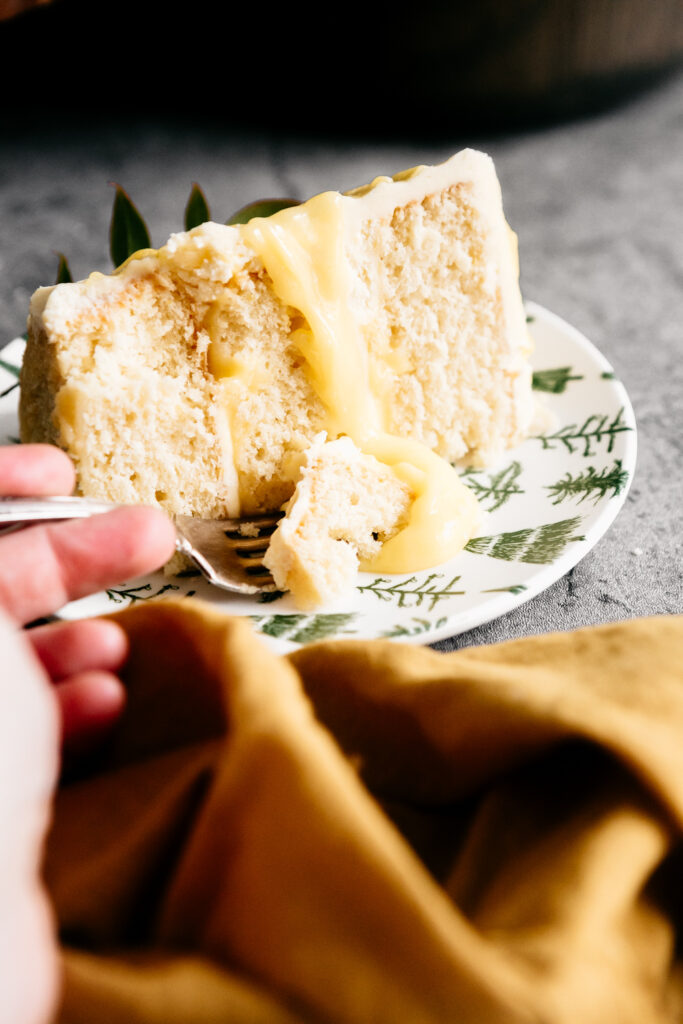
(229, 552)
(251, 549)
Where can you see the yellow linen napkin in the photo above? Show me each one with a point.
(375, 832)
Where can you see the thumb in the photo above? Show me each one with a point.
(28, 773)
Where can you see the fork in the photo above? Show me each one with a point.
(228, 552)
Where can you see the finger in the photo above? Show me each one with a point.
(30, 469)
(45, 567)
(28, 774)
(29, 968)
(67, 648)
(90, 703)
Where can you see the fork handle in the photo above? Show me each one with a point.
(17, 512)
(44, 509)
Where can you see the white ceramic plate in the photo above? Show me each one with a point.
(547, 503)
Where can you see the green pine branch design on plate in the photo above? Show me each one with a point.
(119, 595)
(539, 545)
(553, 381)
(14, 371)
(425, 592)
(304, 629)
(10, 367)
(590, 484)
(500, 487)
(420, 626)
(594, 430)
(517, 588)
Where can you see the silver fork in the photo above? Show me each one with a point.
(228, 552)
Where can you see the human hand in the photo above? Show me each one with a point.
(41, 568)
(45, 566)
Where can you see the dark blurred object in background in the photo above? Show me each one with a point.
(524, 60)
(10, 8)
(432, 66)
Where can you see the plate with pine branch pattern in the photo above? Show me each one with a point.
(546, 503)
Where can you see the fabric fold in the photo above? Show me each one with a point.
(375, 832)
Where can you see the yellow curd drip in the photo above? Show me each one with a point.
(302, 249)
(363, 190)
(139, 254)
(443, 513)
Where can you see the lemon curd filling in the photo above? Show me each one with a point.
(302, 250)
(443, 515)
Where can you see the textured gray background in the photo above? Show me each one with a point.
(598, 207)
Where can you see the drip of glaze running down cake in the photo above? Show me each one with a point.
(336, 356)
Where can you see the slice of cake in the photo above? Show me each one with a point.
(197, 376)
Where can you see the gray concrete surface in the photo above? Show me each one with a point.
(597, 205)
